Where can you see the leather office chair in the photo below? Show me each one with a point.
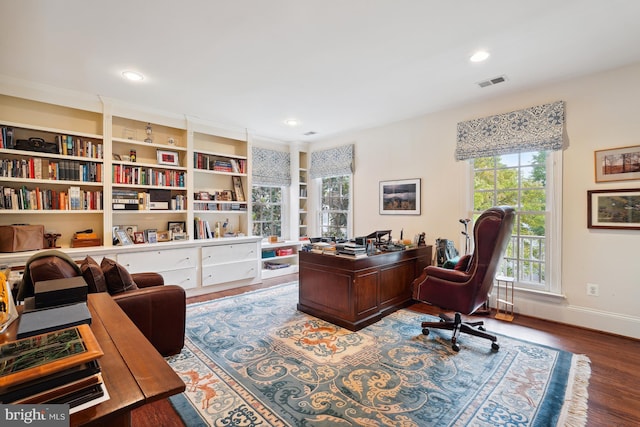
(466, 288)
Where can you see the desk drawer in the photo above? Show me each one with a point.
(229, 253)
(214, 274)
(186, 278)
(159, 260)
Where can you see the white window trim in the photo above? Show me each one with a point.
(317, 187)
(554, 211)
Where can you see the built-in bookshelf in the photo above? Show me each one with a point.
(220, 168)
(51, 162)
(302, 196)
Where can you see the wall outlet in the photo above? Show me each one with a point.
(593, 290)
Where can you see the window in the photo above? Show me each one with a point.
(267, 211)
(529, 182)
(335, 214)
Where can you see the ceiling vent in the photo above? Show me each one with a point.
(310, 133)
(493, 81)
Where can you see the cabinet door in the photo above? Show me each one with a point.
(222, 254)
(215, 274)
(159, 260)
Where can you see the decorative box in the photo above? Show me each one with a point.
(18, 238)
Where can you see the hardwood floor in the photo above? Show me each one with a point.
(615, 364)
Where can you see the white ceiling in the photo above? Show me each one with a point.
(335, 65)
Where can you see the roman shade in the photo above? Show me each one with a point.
(271, 168)
(539, 128)
(336, 161)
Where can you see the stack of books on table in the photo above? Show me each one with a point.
(57, 367)
(352, 250)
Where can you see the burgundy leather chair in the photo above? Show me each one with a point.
(158, 310)
(466, 288)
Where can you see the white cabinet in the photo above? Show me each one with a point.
(177, 266)
(224, 263)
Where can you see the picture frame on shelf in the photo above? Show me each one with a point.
(130, 229)
(176, 226)
(164, 236)
(400, 197)
(614, 209)
(617, 164)
(138, 237)
(123, 237)
(237, 187)
(179, 236)
(166, 157)
(152, 235)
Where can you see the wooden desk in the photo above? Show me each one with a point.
(354, 293)
(134, 372)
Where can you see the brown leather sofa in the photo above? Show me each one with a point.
(158, 310)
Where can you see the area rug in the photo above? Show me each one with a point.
(254, 360)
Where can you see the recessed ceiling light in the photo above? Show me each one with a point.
(133, 76)
(479, 56)
(291, 122)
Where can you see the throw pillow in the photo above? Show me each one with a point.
(118, 278)
(93, 275)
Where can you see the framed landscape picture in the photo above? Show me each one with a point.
(613, 209)
(618, 164)
(400, 197)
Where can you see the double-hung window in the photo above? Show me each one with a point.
(530, 183)
(267, 210)
(335, 212)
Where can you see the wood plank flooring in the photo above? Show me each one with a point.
(614, 386)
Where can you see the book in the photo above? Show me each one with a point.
(26, 359)
(47, 382)
(51, 319)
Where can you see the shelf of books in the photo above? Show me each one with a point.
(302, 196)
(51, 161)
(279, 258)
(220, 171)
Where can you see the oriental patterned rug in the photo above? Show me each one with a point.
(254, 360)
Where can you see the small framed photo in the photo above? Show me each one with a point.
(138, 237)
(237, 188)
(123, 237)
(176, 226)
(618, 164)
(614, 209)
(400, 197)
(168, 158)
(130, 229)
(164, 236)
(179, 236)
(152, 235)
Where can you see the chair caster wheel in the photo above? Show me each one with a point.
(481, 328)
(425, 331)
(456, 347)
(495, 346)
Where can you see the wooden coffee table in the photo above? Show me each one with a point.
(134, 373)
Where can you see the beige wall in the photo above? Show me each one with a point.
(602, 111)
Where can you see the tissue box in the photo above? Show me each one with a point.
(18, 238)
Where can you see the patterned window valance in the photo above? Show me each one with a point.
(270, 167)
(332, 162)
(531, 129)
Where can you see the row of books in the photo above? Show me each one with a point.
(140, 175)
(133, 200)
(212, 206)
(66, 145)
(39, 168)
(74, 198)
(219, 164)
(202, 229)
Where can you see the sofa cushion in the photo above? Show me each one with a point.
(117, 277)
(93, 275)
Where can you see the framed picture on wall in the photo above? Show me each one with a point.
(613, 209)
(401, 197)
(618, 164)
